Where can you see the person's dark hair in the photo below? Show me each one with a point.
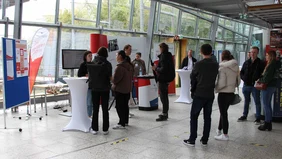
(103, 52)
(226, 55)
(139, 53)
(85, 54)
(255, 47)
(122, 54)
(126, 47)
(206, 49)
(164, 46)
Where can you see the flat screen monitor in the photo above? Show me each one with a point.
(72, 58)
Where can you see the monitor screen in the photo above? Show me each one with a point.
(71, 58)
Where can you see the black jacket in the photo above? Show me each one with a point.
(82, 71)
(165, 68)
(100, 71)
(185, 62)
(203, 78)
(251, 71)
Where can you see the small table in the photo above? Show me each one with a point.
(185, 96)
(147, 93)
(79, 120)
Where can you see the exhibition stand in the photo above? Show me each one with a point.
(78, 89)
(185, 96)
(147, 93)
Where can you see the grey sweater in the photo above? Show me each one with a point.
(203, 78)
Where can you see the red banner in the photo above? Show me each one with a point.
(38, 44)
(97, 41)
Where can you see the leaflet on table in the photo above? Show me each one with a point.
(21, 58)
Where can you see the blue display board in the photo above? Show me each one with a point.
(15, 72)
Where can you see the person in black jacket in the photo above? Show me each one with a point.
(100, 73)
(189, 61)
(251, 71)
(166, 73)
(203, 78)
(83, 72)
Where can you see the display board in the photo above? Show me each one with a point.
(15, 72)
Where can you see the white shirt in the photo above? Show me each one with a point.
(190, 63)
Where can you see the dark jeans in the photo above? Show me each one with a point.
(197, 105)
(266, 99)
(247, 90)
(104, 98)
(224, 100)
(163, 86)
(122, 107)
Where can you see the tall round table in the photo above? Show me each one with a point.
(185, 96)
(79, 120)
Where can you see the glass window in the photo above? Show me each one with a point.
(45, 11)
(84, 12)
(219, 34)
(206, 15)
(221, 21)
(229, 47)
(228, 35)
(10, 11)
(168, 19)
(192, 44)
(239, 28)
(247, 30)
(238, 38)
(204, 28)
(201, 42)
(115, 14)
(46, 72)
(229, 24)
(188, 24)
(141, 15)
(219, 46)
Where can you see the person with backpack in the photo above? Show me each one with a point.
(165, 74)
(203, 78)
(83, 72)
(100, 74)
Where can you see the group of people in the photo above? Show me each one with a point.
(208, 76)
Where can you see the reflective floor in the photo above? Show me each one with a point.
(144, 138)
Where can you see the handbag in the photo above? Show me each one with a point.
(237, 99)
(260, 85)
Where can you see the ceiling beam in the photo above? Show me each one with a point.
(263, 11)
(264, 7)
(231, 11)
(217, 4)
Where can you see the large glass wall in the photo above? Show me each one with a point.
(188, 24)
(168, 19)
(141, 15)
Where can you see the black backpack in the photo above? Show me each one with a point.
(171, 71)
(98, 76)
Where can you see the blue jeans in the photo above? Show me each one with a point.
(247, 90)
(197, 105)
(89, 102)
(266, 99)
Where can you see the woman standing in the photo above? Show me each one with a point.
(83, 72)
(228, 79)
(269, 78)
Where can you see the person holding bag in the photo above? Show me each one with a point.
(268, 78)
(227, 80)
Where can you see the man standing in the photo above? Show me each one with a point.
(188, 61)
(139, 65)
(251, 71)
(203, 78)
(166, 73)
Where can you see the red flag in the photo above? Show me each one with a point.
(36, 54)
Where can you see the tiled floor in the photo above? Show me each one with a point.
(143, 139)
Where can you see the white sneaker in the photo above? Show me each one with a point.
(106, 132)
(222, 137)
(93, 132)
(118, 127)
(218, 132)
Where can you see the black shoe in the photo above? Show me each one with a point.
(204, 143)
(265, 126)
(189, 143)
(257, 121)
(242, 118)
(162, 118)
(166, 115)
